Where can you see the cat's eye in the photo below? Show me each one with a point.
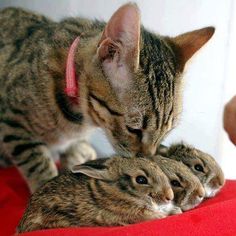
(199, 168)
(175, 183)
(141, 179)
(137, 132)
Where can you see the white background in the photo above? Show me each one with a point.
(210, 78)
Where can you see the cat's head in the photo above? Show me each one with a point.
(134, 81)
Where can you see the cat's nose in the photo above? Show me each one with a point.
(148, 150)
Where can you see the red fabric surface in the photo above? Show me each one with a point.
(216, 216)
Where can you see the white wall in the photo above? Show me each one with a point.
(227, 149)
(206, 87)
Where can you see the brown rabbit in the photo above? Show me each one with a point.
(104, 192)
(200, 163)
(188, 190)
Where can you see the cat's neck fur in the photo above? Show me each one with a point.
(57, 65)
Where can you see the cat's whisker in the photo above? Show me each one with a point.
(137, 120)
(124, 151)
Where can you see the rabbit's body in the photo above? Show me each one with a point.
(188, 190)
(200, 163)
(102, 193)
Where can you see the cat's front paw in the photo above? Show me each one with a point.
(77, 154)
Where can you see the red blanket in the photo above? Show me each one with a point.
(214, 217)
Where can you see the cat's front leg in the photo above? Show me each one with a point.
(78, 153)
(33, 159)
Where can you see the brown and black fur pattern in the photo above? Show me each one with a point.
(201, 164)
(103, 192)
(188, 190)
(129, 85)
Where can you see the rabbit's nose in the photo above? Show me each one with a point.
(168, 195)
(217, 181)
(200, 192)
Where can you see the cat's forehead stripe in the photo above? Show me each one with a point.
(158, 66)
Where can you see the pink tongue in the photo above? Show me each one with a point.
(71, 89)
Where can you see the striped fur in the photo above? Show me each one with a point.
(36, 117)
(188, 190)
(200, 163)
(72, 200)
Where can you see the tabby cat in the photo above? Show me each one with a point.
(129, 84)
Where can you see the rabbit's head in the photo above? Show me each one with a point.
(202, 165)
(138, 179)
(188, 191)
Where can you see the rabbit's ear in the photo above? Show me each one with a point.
(94, 171)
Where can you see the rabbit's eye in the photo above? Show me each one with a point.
(198, 168)
(175, 183)
(141, 179)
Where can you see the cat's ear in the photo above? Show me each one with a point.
(93, 171)
(189, 43)
(118, 48)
